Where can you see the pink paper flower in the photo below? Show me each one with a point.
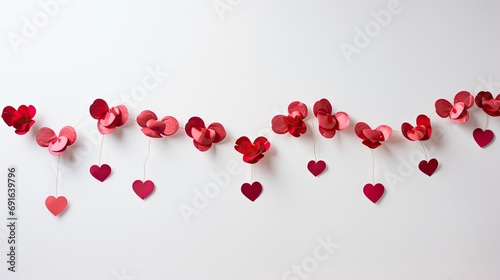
(294, 122)
(47, 138)
(252, 152)
(108, 119)
(21, 119)
(372, 138)
(329, 123)
(204, 137)
(457, 112)
(155, 128)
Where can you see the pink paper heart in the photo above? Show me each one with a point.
(428, 167)
(143, 189)
(100, 173)
(483, 138)
(374, 193)
(252, 191)
(316, 168)
(56, 205)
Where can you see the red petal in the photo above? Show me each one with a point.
(371, 145)
(105, 130)
(156, 126)
(326, 121)
(244, 146)
(171, 125)
(483, 95)
(144, 117)
(358, 129)
(443, 108)
(405, 128)
(252, 158)
(31, 111)
(373, 135)
(150, 133)
(70, 133)
(327, 133)
(98, 108)
(279, 124)
(298, 129)
(425, 121)
(201, 147)
(343, 120)
(193, 122)
(322, 105)
(465, 97)
(262, 141)
(8, 115)
(44, 136)
(122, 116)
(220, 132)
(297, 107)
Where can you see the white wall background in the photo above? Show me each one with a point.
(241, 69)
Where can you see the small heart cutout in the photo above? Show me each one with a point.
(56, 205)
(100, 173)
(374, 193)
(316, 168)
(483, 138)
(143, 189)
(428, 167)
(251, 191)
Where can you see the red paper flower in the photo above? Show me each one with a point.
(490, 105)
(21, 119)
(422, 131)
(458, 112)
(293, 123)
(47, 138)
(328, 123)
(108, 118)
(204, 137)
(372, 137)
(154, 128)
(252, 152)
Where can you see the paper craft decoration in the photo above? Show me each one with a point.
(252, 153)
(483, 137)
(152, 127)
(56, 145)
(143, 189)
(421, 132)
(457, 112)
(101, 173)
(21, 119)
(374, 192)
(294, 122)
(56, 205)
(328, 122)
(316, 167)
(204, 137)
(490, 105)
(372, 138)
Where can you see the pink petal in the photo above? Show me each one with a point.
(70, 133)
(220, 132)
(203, 136)
(192, 123)
(105, 130)
(144, 117)
(44, 136)
(386, 131)
(342, 120)
(327, 133)
(109, 118)
(123, 115)
(171, 125)
(58, 144)
(326, 121)
(297, 107)
(150, 133)
(359, 128)
(279, 124)
(457, 110)
(156, 126)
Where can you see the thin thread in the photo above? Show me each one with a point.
(373, 167)
(252, 171)
(146, 160)
(57, 173)
(425, 151)
(314, 140)
(486, 122)
(78, 123)
(100, 152)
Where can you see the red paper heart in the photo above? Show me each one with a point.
(143, 189)
(56, 205)
(100, 173)
(483, 138)
(374, 193)
(251, 191)
(316, 168)
(428, 167)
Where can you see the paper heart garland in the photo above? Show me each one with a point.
(374, 192)
(372, 138)
(203, 137)
(101, 173)
(251, 191)
(108, 119)
(56, 205)
(143, 189)
(428, 167)
(47, 138)
(21, 119)
(329, 123)
(294, 122)
(457, 112)
(316, 168)
(483, 138)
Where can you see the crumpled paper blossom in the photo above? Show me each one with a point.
(294, 122)
(47, 138)
(422, 131)
(152, 127)
(329, 123)
(204, 137)
(372, 137)
(457, 112)
(490, 105)
(252, 152)
(21, 119)
(108, 119)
